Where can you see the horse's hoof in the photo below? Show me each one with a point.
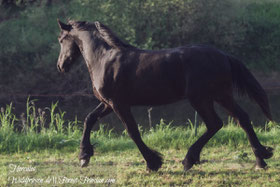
(155, 161)
(187, 164)
(258, 167)
(155, 165)
(84, 162)
(260, 164)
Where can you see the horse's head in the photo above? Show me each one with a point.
(69, 50)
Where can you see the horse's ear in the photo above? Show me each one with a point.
(63, 26)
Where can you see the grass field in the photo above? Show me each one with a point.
(44, 153)
(223, 166)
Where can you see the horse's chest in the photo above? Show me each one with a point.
(104, 87)
(98, 83)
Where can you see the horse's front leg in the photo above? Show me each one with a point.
(153, 158)
(86, 149)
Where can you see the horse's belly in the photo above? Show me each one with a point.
(159, 94)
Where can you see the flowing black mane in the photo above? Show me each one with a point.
(105, 33)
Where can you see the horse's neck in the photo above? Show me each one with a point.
(92, 52)
(87, 48)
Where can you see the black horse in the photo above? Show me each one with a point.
(123, 76)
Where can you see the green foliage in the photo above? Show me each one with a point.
(47, 129)
(7, 119)
(262, 34)
(29, 48)
(32, 132)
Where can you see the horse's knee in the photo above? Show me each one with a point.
(90, 119)
(100, 111)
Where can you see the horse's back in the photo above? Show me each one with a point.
(169, 75)
(158, 77)
(208, 71)
(165, 76)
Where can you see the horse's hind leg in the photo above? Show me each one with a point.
(86, 149)
(261, 152)
(205, 108)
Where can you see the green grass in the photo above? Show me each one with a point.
(222, 167)
(47, 142)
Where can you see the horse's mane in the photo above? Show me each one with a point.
(104, 32)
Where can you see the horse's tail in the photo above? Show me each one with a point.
(246, 84)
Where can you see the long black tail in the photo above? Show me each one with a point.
(246, 84)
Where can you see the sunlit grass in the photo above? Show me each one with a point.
(221, 166)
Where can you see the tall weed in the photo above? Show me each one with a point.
(48, 129)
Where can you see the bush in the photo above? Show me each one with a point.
(262, 41)
(29, 47)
